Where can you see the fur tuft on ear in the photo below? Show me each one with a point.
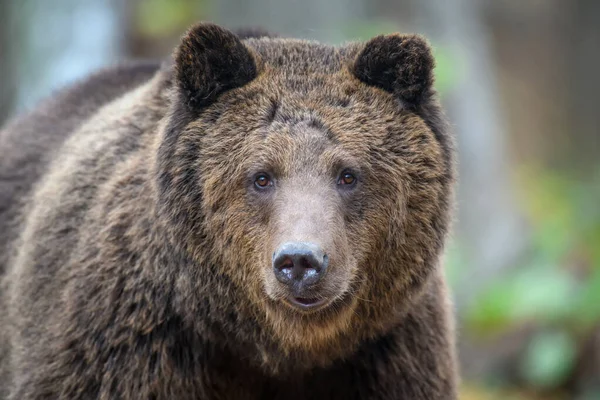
(400, 64)
(209, 61)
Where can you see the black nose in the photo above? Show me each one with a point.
(299, 263)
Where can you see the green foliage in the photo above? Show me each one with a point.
(549, 359)
(530, 294)
(447, 69)
(363, 30)
(556, 288)
(161, 18)
(588, 301)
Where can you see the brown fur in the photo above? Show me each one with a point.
(142, 263)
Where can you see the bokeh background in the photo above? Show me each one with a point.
(520, 80)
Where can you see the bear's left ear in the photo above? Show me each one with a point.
(400, 64)
(209, 61)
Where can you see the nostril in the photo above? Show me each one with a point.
(284, 269)
(285, 264)
(309, 263)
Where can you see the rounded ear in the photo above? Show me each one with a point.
(209, 61)
(400, 64)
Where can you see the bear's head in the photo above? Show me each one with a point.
(318, 180)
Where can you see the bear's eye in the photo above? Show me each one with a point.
(347, 178)
(262, 181)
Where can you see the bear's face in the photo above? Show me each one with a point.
(324, 194)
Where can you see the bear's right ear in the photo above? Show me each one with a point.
(209, 61)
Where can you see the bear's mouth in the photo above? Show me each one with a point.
(307, 303)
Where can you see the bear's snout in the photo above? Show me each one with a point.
(300, 266)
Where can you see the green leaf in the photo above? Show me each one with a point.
(363, 30)
(543, 293)
(159, 18)
(548, 359)
(446, 70)
(588, 302)
(491, 312)
(540, 293)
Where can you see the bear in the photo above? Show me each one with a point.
(254, 218)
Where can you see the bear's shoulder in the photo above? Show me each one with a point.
(28, 142)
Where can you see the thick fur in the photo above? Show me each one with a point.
(400, 64)
(204, 70)
(138, 255)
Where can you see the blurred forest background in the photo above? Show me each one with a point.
(520, 80)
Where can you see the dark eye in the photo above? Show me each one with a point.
(347, 178)
(262, 181)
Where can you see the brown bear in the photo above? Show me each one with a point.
(258, 218)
